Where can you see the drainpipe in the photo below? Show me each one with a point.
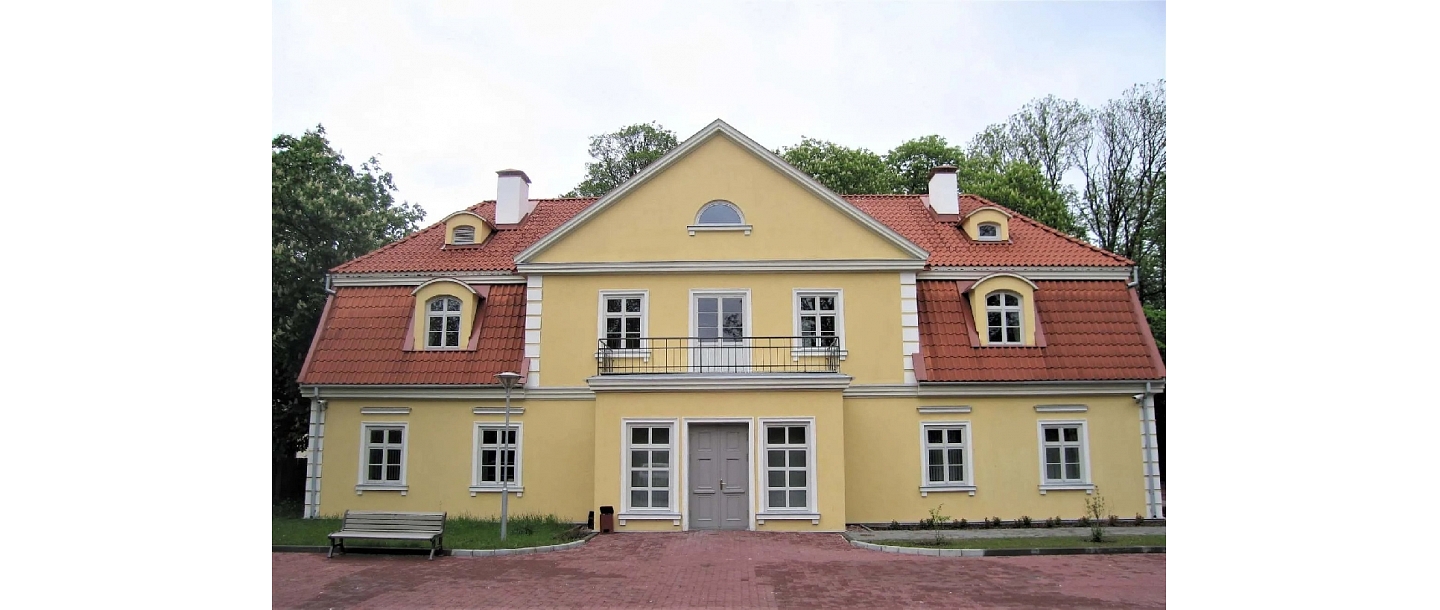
(315, 448)
(328, 288)
(1152, 458)
(1134, 277)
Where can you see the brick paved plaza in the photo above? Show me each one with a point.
(717, 570)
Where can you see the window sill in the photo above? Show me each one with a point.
(760, 518)
(518, 490)
(926, 490)
(674, 518)
(1088, 488)
(708, 228)
(814, 352)
(364, 487)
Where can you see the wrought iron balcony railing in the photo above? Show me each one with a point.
(652, 355)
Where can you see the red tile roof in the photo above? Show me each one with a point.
(362, 340)
(1031, 243)
(1093, 330)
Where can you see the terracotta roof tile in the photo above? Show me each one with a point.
(362, 341)
(1092, 331)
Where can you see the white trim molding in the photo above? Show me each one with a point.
(418, 391)
(909, 326)
(763, 511)
(881, 390)
(514, 410)
(711, 382)
(600, 331)
(674, 508)
(1061, 408)
(719, 127)
(476, 485)
(560, 393)
(362, 483)
(967, 443)
(934, 410)
(1084, 483)
(533, 287)
(1032, 273)
(797, 352)
(384, 410)
(1034, 388)
(691, 229)
(1150, 445)
(340, 280)
(315, 446)
(725, 266)
(440, 280)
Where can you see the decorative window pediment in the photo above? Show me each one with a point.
(719, 215)
(1004, 309)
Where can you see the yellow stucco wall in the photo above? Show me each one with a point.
(972, 223)
(871, 302)
(556, 451)
(468, 303)
(612, 409)
(460, 219)
(883, 461)
(649, 224)
(1004, 282)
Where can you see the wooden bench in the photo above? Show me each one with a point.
(376, 525)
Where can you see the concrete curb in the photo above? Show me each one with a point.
(280, 548)
(910, 550)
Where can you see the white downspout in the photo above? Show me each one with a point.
(315, 452)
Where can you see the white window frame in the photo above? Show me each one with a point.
(644, 296)
(926, 485)
(979, 233)
(362, 484)
(476, 485)
(672, 511)
(798, 349)
(811, 510)
(458, 314)
(1018, 308)
(1084, 483)
(455, 235)
(742, 226)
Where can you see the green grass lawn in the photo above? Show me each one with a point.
(1028, 543)
(460, 533)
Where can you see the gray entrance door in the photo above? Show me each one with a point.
(719, 477)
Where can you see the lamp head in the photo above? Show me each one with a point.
(508, 379)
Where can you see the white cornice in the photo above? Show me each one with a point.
(1032, 273)
(708, 382)
(936, 410)
(559, 393)
(728, 266)
(1036, 388)
(721, 127)
(882, 390)
(471, 392)
(418, 278)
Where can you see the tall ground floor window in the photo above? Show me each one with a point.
(788, 466)
(649, 467)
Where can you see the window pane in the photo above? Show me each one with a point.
(640, 436)
(934, 436)
(797, 478)
(452, 304)
(660, 478)
(374, 474)
(992, 319)
(435, 323)
(807, 325)
(807, 303)
(827, 303)
(775, 435)
(377, 436)
(797, 498)
(731, 305)
(1072, 471)
(437, 305)
(995, 335)
(734, 328)
(797, 458)
(777, 478)
(394, 457)
(957, 456)
(1012, 318)
(632, 305)
(992, 300)
(660, 459)
(797, 435)
(660, 498)
(1072, 455)
(489, 437)
(1012, 334)
(632, 325)
(1052, 435)
(394, 436)
(392, 473)
(377, 456)
(1052, 471)
(434, 339)
(935, 457)
(827, 325)
(639, 459)
(612, 305)
(709, 319)
(957, 472)
(452, 339)
(1072, 434)
(1012, 300)
(660, 436)
(1052, 455)
(487, 458)
(639, 478)
(639, 498)
(487, 473)
(510, 437)
(954, 436)
(777, 499)
(776, 459)
(452, 324)
(719, 214)
(937, 472)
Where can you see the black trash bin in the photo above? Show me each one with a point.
(607, 519)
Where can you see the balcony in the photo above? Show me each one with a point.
(729, 356)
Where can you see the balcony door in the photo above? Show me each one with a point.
(719, 329)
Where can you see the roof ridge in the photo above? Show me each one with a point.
(1055, 231)
(389, 245)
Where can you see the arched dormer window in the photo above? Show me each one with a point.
(464, 234)
(1002, 317)
(719, 215)
(989, 231)
(442, 324)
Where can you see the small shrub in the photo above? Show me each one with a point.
(962, 523)
(1024, 521)
(894, 525)
(1083, 521)
(936, 519)
(1139, 520)
(1094, 509)
(995, 522)
(1114, 520)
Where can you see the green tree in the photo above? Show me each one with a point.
(622, 154)
(912, 161)
(847, 171)
(323, 212)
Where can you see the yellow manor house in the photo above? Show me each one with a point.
(721, 342)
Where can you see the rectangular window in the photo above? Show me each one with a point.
(497, 454)
(818, 319)
(622, 319)
(946, 454)
(787, 466)
(384, 449)
(1062, 446)
(649, 466)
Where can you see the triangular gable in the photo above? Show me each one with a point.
(719, 127)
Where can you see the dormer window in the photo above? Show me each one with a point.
(987, 223)
(719, 215)
(464, 234)
(442, 324)
(1002, 316)
(989, 231)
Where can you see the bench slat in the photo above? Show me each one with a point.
(386, 535)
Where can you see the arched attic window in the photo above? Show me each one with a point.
(989, 231)
(442, 324)
(464, 234)
(1002, 317)
(719, 215)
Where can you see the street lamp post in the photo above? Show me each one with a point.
(507, 381)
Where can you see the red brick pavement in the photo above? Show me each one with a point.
(717, 570)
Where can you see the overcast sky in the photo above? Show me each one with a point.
(448, 93)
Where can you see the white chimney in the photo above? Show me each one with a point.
(512, 201)
(944, 190)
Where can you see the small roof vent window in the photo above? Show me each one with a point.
(464, 234)
(989, 231)
(719, 213)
